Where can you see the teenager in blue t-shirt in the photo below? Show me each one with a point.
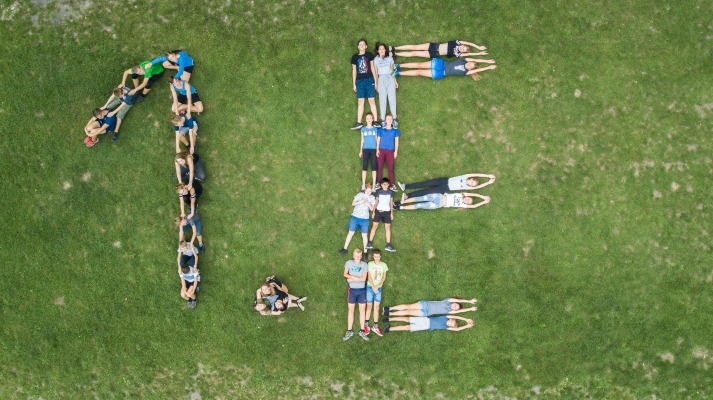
(367, 150)
(101, 123)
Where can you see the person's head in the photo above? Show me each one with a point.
(389, 121)
(180, 221)
(177, 120)
(138, 70)
(471, 65)
(369, 119)
(185, 269)
(467, 200)
(182, 157)
(181, 189)
(462, 48)
(455, 306)
(357, 255)
(182, 245)
(118, 92)
(381, 50)
(172, 55)
(376, 253)
(385, 183)
(260, 306)
(452, 323)
(279, 305)
(99, 113)
(361, 45)
(173, 81)
(367, 188)
(267, 290)
(472, 182)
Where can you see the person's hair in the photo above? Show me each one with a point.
(281, 306)
(256, 305)
(272, 289)
(376, 49)
(369, 114)
(177, 221)
(182, 244)
(180, 187)
(183, 155)
(375, 252)
(367, 186)
(458, 306)
(97, 112)
(362, 40)
(136, 69)
(171, 79)
(118, 92)
(476, 77)
(358, 251)
(474, 180)
(185, 269)
(385, 180)
(176, 119)
(467, 202)
(173, 52)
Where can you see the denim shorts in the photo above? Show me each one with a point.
(198, 224)
(372, 296)
(355, 222)
(365, 88)
(438, 69)
(428, 202)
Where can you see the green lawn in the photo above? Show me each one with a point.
(592, 263)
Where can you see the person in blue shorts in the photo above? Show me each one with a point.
(367, 150)
(426, 308)
(437, 68)
(178, 60)
(185, 125)
(188, 272)
(363, 205)
(416, 324)
(364, 81)
(355, 271)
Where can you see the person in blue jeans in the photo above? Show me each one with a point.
(374, 284)
(367, 150)
(415, 324)
(195, 224)
(437, 68)
(364, 82)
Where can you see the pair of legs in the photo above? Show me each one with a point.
(354, 223)
(365, 90)
(426, 70)
(196, 106)
(121, 114)
(184, 292)
(373, 299)
(180, 137)
(428, 202)
(388, 157)
(151, 81)
(375, 226)
(387, 94)
(400, 327)
(416, 50)
(198, 171)
(186, 76)
(405, 310)
(368, 157)
(354, 297)
(438, 185)
(198, 225)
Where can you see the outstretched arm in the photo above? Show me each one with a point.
(175, 99)
(141, 86)
(107, 102)
(468, 324)
(480, 53)
(473, 45)
(491, 179)
(472, 301)
(462, 310)
(116, 110)
(126, 75)
(475, 71)
(486, 200)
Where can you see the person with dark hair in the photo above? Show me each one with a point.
(425, 308)
(188, 272)
(364, 81)
(437, 68)
(454, 48)
(387, 145)
(185, 97)
(460, 201)
(387, 86)
(374, 284)
(102, 122)
(428, 323)
(189, 168)
(190, 197)
(122, 98)
(383, 212)
(367, 150)
(151, 75)
(276, 293)
(178, 60)
(445, 185)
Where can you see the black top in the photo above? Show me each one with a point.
(455, 67)
(363, 65)
(195, 195)
(452, 48)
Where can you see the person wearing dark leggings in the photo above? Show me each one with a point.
(444, 185)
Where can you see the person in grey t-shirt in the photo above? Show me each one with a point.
(425, 308)
(355, 271)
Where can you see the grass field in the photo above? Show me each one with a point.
(592, 263)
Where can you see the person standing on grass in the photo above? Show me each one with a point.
(185, 125)
(437, 68)
(384, 64)
(383, 212)
(367, 150)
(375, 282)
(355, 271)
(190, 277)
(444, 185)
(178, 60)
(363, 203)
(185, 97)
(454, 48)
(195, 224)
(387, 145)
(189, 168)
(102, 123)
(120, 97)
(428, 323)
(364, 81)
(151, 75)
(460, 201)
(426, 308)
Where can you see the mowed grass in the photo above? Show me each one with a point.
(592, 263)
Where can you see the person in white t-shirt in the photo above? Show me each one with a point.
(444, 185)
(363, 206)
(433, 201)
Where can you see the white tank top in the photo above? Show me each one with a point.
(459, 183)
(454, 200)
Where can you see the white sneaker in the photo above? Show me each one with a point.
(401, 186)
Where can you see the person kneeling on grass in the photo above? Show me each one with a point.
(120, 97)
(185, 125)
(103, 122)
(189, 281)
(276, 293)
(194, 222)
(426, 308)
(190, 197)
(434, 201)
(428, 323)
(151, 75)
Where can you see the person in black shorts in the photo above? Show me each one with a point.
(454, 48)
(383, 211)
(150, 74)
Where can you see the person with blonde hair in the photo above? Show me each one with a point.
(437, 68)
(102, 122)
(122, 98)
(278, 296)
(355, 272)
(445, 185)
(196, 225)
(454, 48)
(189, 168)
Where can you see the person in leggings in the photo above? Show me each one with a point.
(443, 185)
(454, 48)
(367, 150)
(384, 65)
(151, 75)
(437, 68)
(387, 144)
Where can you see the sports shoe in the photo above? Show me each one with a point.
(198, 289)
(392, 50)
(300, 306)
(387, 328)
(140, 99)
(114, 136)
(348, 335)
(393, 188)
(363, 336)
(385, 319)
(356, 126)
(385, 311)
(201, 248)
(366, 328)
(301, 299)
(396, 124)
(404, 196)
(397, 205)
(402, 187)
(363, 187)
(378, 124)
(376, 330)
(389, 248)
(397, 66)
(192, 304)
(343, 252)
(91, 143)
(369, 245)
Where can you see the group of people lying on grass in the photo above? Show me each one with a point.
(365, 283)
(272, 298)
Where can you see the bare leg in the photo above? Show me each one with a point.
(200, 239)
(180, 139)
(350, 316)
(405, 313)
(423, 54)
(349, 239)
(372, 106)
(400, 328)
(408, 207)
(418, 65)
(417, 72)
(376, 311)
(197, 107)
(362, 315)
(374, 226)
(373, 178)
(413, 47)
(388, 232)
(186, 76)
(368, 314)
(363, 178)
(401, 307)
(118, 124)
(360, 109)
(364, 240)
(136, 82)
(168, 65)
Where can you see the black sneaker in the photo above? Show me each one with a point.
(385, 311)
(389, 248)
(393, 188)
(356, 126)
(201, 248)
(397, 205)
(198, 289)
(369, 245)
(387, 328)
(140, 99)
(343, 252)
(385, 320)
(114, 136)
(378, 125)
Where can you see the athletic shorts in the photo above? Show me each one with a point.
(419, 323)
(189, 284)
(151, 81)
(356, 295)
(438, 69)
(183, 99)
(366, 155)
(424, 308)
(365, 88)
(362, 224)
(382, 216)
(188, 69)
(433, 50)
(372, 296)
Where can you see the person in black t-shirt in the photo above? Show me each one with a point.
(364, 82)
(275, 292)
(190, 197)
(383, 211)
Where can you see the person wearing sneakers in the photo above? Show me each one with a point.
(178, 60)
(195, 224)
(276, 293)
(384, 64)
(374, 284)
(185, 97)
(101, 123)
(363, 203)
(437, 68)
(387, 144)
(364, 81)
(188, 272)
(151, 75)
(444, 185)
(426, 308)
(189, 197)
(460, 201)
(120, 97)
(383, 212)
(367, 150)
(355, 271)
(187, 253)
(454, 48)
(185, 125)
(189, 168)
(416, 324)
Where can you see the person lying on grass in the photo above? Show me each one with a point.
(185, 125)
(444, 185)
(187, 253)
(178, 60)
(367, 150)
(461, 201)
(120, 97)
(185, 97)
(151, 75)
(374, 284)
(195, 224)
(428, 323)
(363, 204)
(190, 197)
(189, 281)
(454, 48)
(189, 168)
(101, 123)
(355, 272)
(276, 293)
(426, 308)
(437, 68)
